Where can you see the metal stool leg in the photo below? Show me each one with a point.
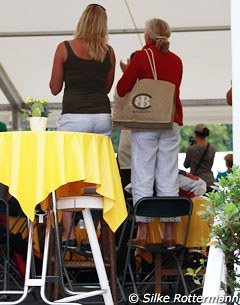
(97, 256)
(74, 295)
(42, 282)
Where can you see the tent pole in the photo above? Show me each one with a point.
(235, 34)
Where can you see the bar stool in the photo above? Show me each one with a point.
(84, 204)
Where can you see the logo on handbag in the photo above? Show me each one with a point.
(141, 101)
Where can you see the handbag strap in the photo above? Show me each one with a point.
(204, 154)
(151, 62)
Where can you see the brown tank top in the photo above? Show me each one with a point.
(84, 84)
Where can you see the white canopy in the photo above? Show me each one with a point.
(31, 30)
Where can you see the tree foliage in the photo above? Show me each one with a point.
(220, 136)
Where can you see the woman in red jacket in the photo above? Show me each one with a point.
(155, 152)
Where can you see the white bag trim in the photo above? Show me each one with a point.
(152, 63)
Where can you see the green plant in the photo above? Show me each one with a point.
(198, 274)
(36, 108)
(223, 215)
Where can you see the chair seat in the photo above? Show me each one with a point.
(93, 201)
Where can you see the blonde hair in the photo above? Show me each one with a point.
(92, 28)
(159, 31)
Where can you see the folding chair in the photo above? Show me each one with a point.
(9, 275)
(157, 207)
(4, 248)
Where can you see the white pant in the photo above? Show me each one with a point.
(100, 123)
(155, 160)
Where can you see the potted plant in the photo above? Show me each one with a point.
(223, 215)
(37, 112)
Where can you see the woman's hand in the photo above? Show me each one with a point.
(124, 66)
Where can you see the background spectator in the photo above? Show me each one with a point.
(200, 156)
(3, 127)
(229, 163)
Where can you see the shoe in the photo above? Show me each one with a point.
(139, 242)
(84, 249)
(169, 244)
(72, 244)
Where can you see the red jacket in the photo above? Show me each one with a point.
(169, 68)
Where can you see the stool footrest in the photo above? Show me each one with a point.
(81, 264)
(77, 264)
(34, 282)
(81, 295)
(11, 292)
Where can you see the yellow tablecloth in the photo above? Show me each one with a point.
(33, 164)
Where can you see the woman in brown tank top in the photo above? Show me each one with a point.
(86, 67)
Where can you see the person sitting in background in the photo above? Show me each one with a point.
(124, 148)
(3, 127)
(191, 186)
(124, 159)
(229, 163)
(200, 156)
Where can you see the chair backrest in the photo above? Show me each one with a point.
(163, 207)
(156, 207)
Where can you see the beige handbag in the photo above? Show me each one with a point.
(150, 105)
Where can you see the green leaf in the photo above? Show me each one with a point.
(210, 210)
(26, 113)
(231, 207)
(36, 112)
(39, 105)
(190, 271)
(198, 269)
(197, 282)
